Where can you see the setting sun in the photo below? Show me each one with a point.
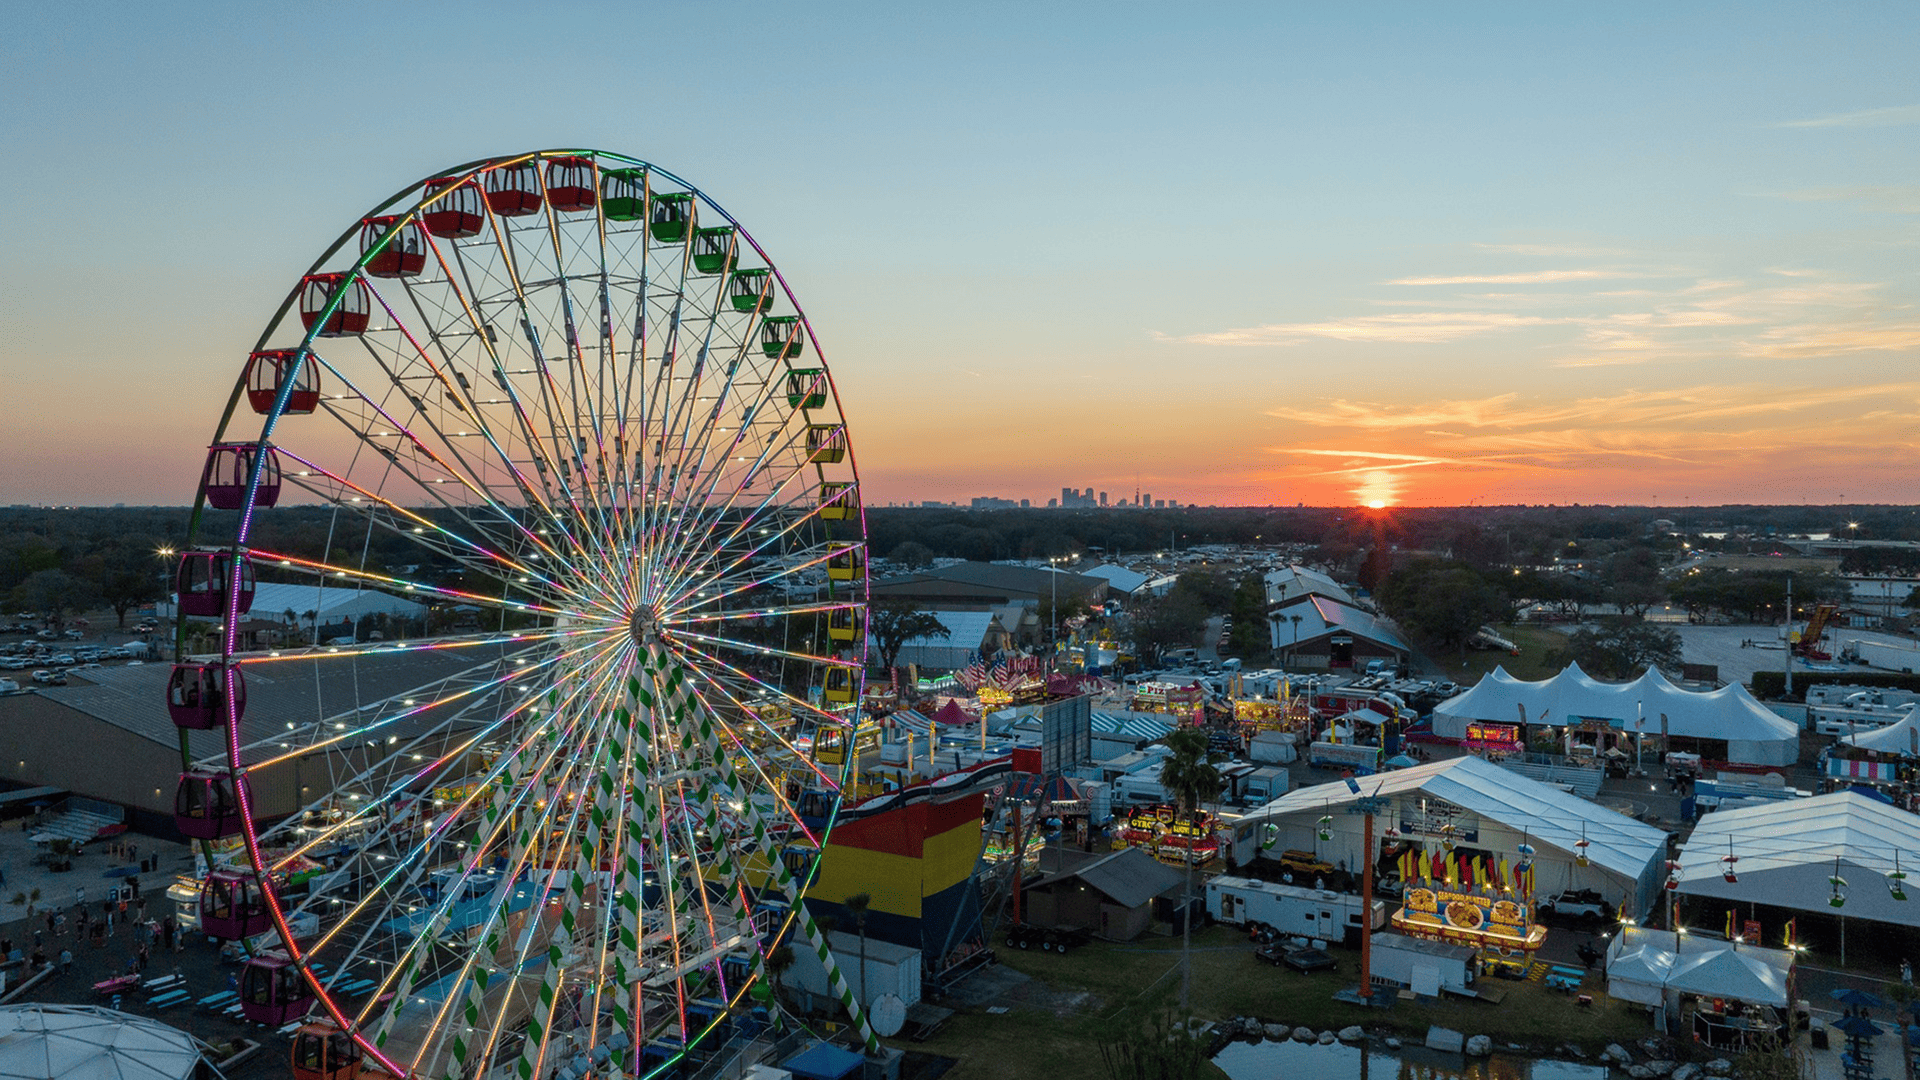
(1377, 504)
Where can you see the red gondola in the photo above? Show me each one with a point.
(272, 991)
(351, 317)
(228, 468)
(570, 184)
(513, 190)
(324, 1052)
(197, 695)
(204, 579)
(267, 372)
(458, 212)
(233, 907)
(205, 806)
(404, 256)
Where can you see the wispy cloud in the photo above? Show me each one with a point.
(1629, 409)
(1890, 116)
(1410, 327)
(1530, 277)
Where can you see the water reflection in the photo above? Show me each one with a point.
(1286, 1060)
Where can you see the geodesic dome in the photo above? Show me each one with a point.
(82, 1042)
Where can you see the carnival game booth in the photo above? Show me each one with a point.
(1822, 862)
(1725, 725)
(1727, 995)
(1464, 816)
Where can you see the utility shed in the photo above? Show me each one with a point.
(1109, 895)
(890, 969)
(1426, 967)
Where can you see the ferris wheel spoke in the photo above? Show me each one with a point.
(489, 560)
(364, 430)
(353, 574)
(472, 685)
(696, 538)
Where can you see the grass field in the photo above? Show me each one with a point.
(1537, 643)
(1051, 1029)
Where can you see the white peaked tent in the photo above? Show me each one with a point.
(1754, 734)
(1902, 737)
(1656, 967)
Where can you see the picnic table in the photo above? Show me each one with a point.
(116, 984)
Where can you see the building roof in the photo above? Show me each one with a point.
(1133, 725)
(1119, 578)
(1549, 816)
(1787, 851)
(965, 630)
(281, 692)
(1293, 581)
(1129, 877)
(1321, 616)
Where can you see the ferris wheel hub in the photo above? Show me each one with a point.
(644, 626)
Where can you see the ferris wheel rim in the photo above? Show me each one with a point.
(228, 655)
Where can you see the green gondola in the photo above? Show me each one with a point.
(713, 250)
(781, 336)
(672, 217)
(751, 290)
(807, 388)
(623, 194)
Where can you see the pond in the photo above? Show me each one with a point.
(1286, 1060)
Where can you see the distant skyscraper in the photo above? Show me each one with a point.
(1146, 500)
(1066, 497)
(1103, 498)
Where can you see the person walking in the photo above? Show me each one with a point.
(143, 953)
(66, 961)
(1906, 972)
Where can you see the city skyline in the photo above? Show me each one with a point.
(1252, 256)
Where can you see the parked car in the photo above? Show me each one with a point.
(1307, 961)
(8, 686)
(1305, 862)
(44, 677)
(1577, 905)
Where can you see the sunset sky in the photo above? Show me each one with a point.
(1241, 254)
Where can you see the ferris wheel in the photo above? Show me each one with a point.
(566, 457)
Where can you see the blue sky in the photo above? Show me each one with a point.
(1242, 253)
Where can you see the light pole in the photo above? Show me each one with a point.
(165, 554)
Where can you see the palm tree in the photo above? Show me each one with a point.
(858, 904)
(778, 961)
(1191, 779)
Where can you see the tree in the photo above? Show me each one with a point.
(1191, 779)
(912, 554)
(53, 593)
(123, 590)
(858, 904)
(1622, 647)
(1152, 1043)
(1052, 615)
(779, 959)
(1162, 622)
(1444, 602)
(1251, 638)
(893, 623)
(1632, 580)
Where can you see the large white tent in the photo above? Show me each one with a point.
(1490, 809)
(1754, 734)
(1787, 851)
(82, 1042)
